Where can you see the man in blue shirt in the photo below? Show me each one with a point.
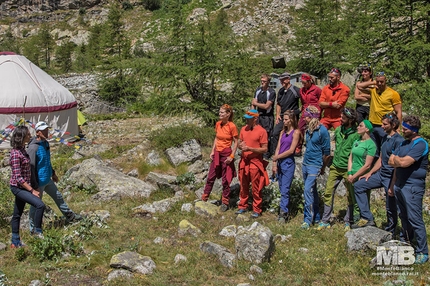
(410, 161)
(40, 160)
(314, 161)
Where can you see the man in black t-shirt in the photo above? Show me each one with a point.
(288, 99)
(263, 101)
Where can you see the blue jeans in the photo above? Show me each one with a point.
(376, 180)
(286, 168)
(311, 209)
(21, 198)
(52, 190)
(410, 202)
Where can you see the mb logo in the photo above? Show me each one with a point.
(395, 255)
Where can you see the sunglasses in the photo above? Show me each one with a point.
(348, 113)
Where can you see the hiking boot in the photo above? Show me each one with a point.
(305, 226)
(283, 218)
(73, 218)
(17, 245)
(421, 258)
(255, 215)
(323, 225)
(363, 223)
(241, 211)
(347, 227)
(223, 208)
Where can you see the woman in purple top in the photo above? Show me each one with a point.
(283, 160)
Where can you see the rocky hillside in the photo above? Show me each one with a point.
(72, 19)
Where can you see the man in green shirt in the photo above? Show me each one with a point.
(345, 135)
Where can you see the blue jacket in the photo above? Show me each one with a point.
(317, 145)
(40, 160)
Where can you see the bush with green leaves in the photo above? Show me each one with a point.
(186, 179)
(53, 245)
(174, 136)
(272, 197)
(151, 5)
(6, 203)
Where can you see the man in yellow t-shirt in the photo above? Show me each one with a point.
(383, 100)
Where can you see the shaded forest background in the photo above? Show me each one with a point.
(198, 66)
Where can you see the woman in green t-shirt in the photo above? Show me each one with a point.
(359, 163)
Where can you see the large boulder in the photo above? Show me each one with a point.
(255, 243)
(189, 152)
(110, 183)
(366, 238)
(133, 262)
(206, 209)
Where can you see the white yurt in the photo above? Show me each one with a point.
(26, 91)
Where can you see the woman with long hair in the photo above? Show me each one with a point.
(315, 160)
(222, 156)
(359, 163)
(283, 161)
(21, 185)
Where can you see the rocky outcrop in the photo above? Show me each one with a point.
(110, 183)
(189, 152)
(255, 243)
(366, 238)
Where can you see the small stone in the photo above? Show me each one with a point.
(180, 258)
(188, 207)
(303, 249)
(256, 269)
(158, 240)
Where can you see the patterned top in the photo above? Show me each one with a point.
(20, 164)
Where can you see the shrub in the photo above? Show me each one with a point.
(127, 6)
(163, 139)
(151, 5)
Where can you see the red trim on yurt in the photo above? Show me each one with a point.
(37, 109)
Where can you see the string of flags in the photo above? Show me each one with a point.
(70, 141)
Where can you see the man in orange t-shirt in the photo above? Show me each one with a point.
(252, 169)
(333, 98)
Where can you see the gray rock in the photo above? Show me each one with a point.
(229, 231)
(180, 258)
(251, 277)
(158, 240)
(158, 206)
(133, 262)
(185, 227)
(243, 284)
(91, 150)
(35, 283)
(199, 167)
(303, 249)
(256, 269)
(153, 158)
(365, 238)
(162, 181)
(133, 173)
(119, 273)
(255, 243)
(111, 183)
(2, 246)
(189, 152)
(206, 209)
(224, 255)
(187, 207)
(282, 238)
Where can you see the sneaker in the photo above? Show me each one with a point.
(421, 258)
(347, 227)
(305, 226)
(363, 223)
(255, 215)
(323, 225)
(223, 208)
(17, 245)
(241, 211)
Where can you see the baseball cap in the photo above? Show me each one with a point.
(251, 114)
(41, 125)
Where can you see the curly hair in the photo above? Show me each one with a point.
(392, 119)
(18, 137)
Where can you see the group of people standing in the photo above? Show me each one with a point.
(369, 152)
(32, 175)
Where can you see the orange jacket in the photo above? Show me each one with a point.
(339, 93)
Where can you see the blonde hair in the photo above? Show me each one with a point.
(315, 122)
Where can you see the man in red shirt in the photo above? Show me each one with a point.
(252, 169)
(333, 99)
